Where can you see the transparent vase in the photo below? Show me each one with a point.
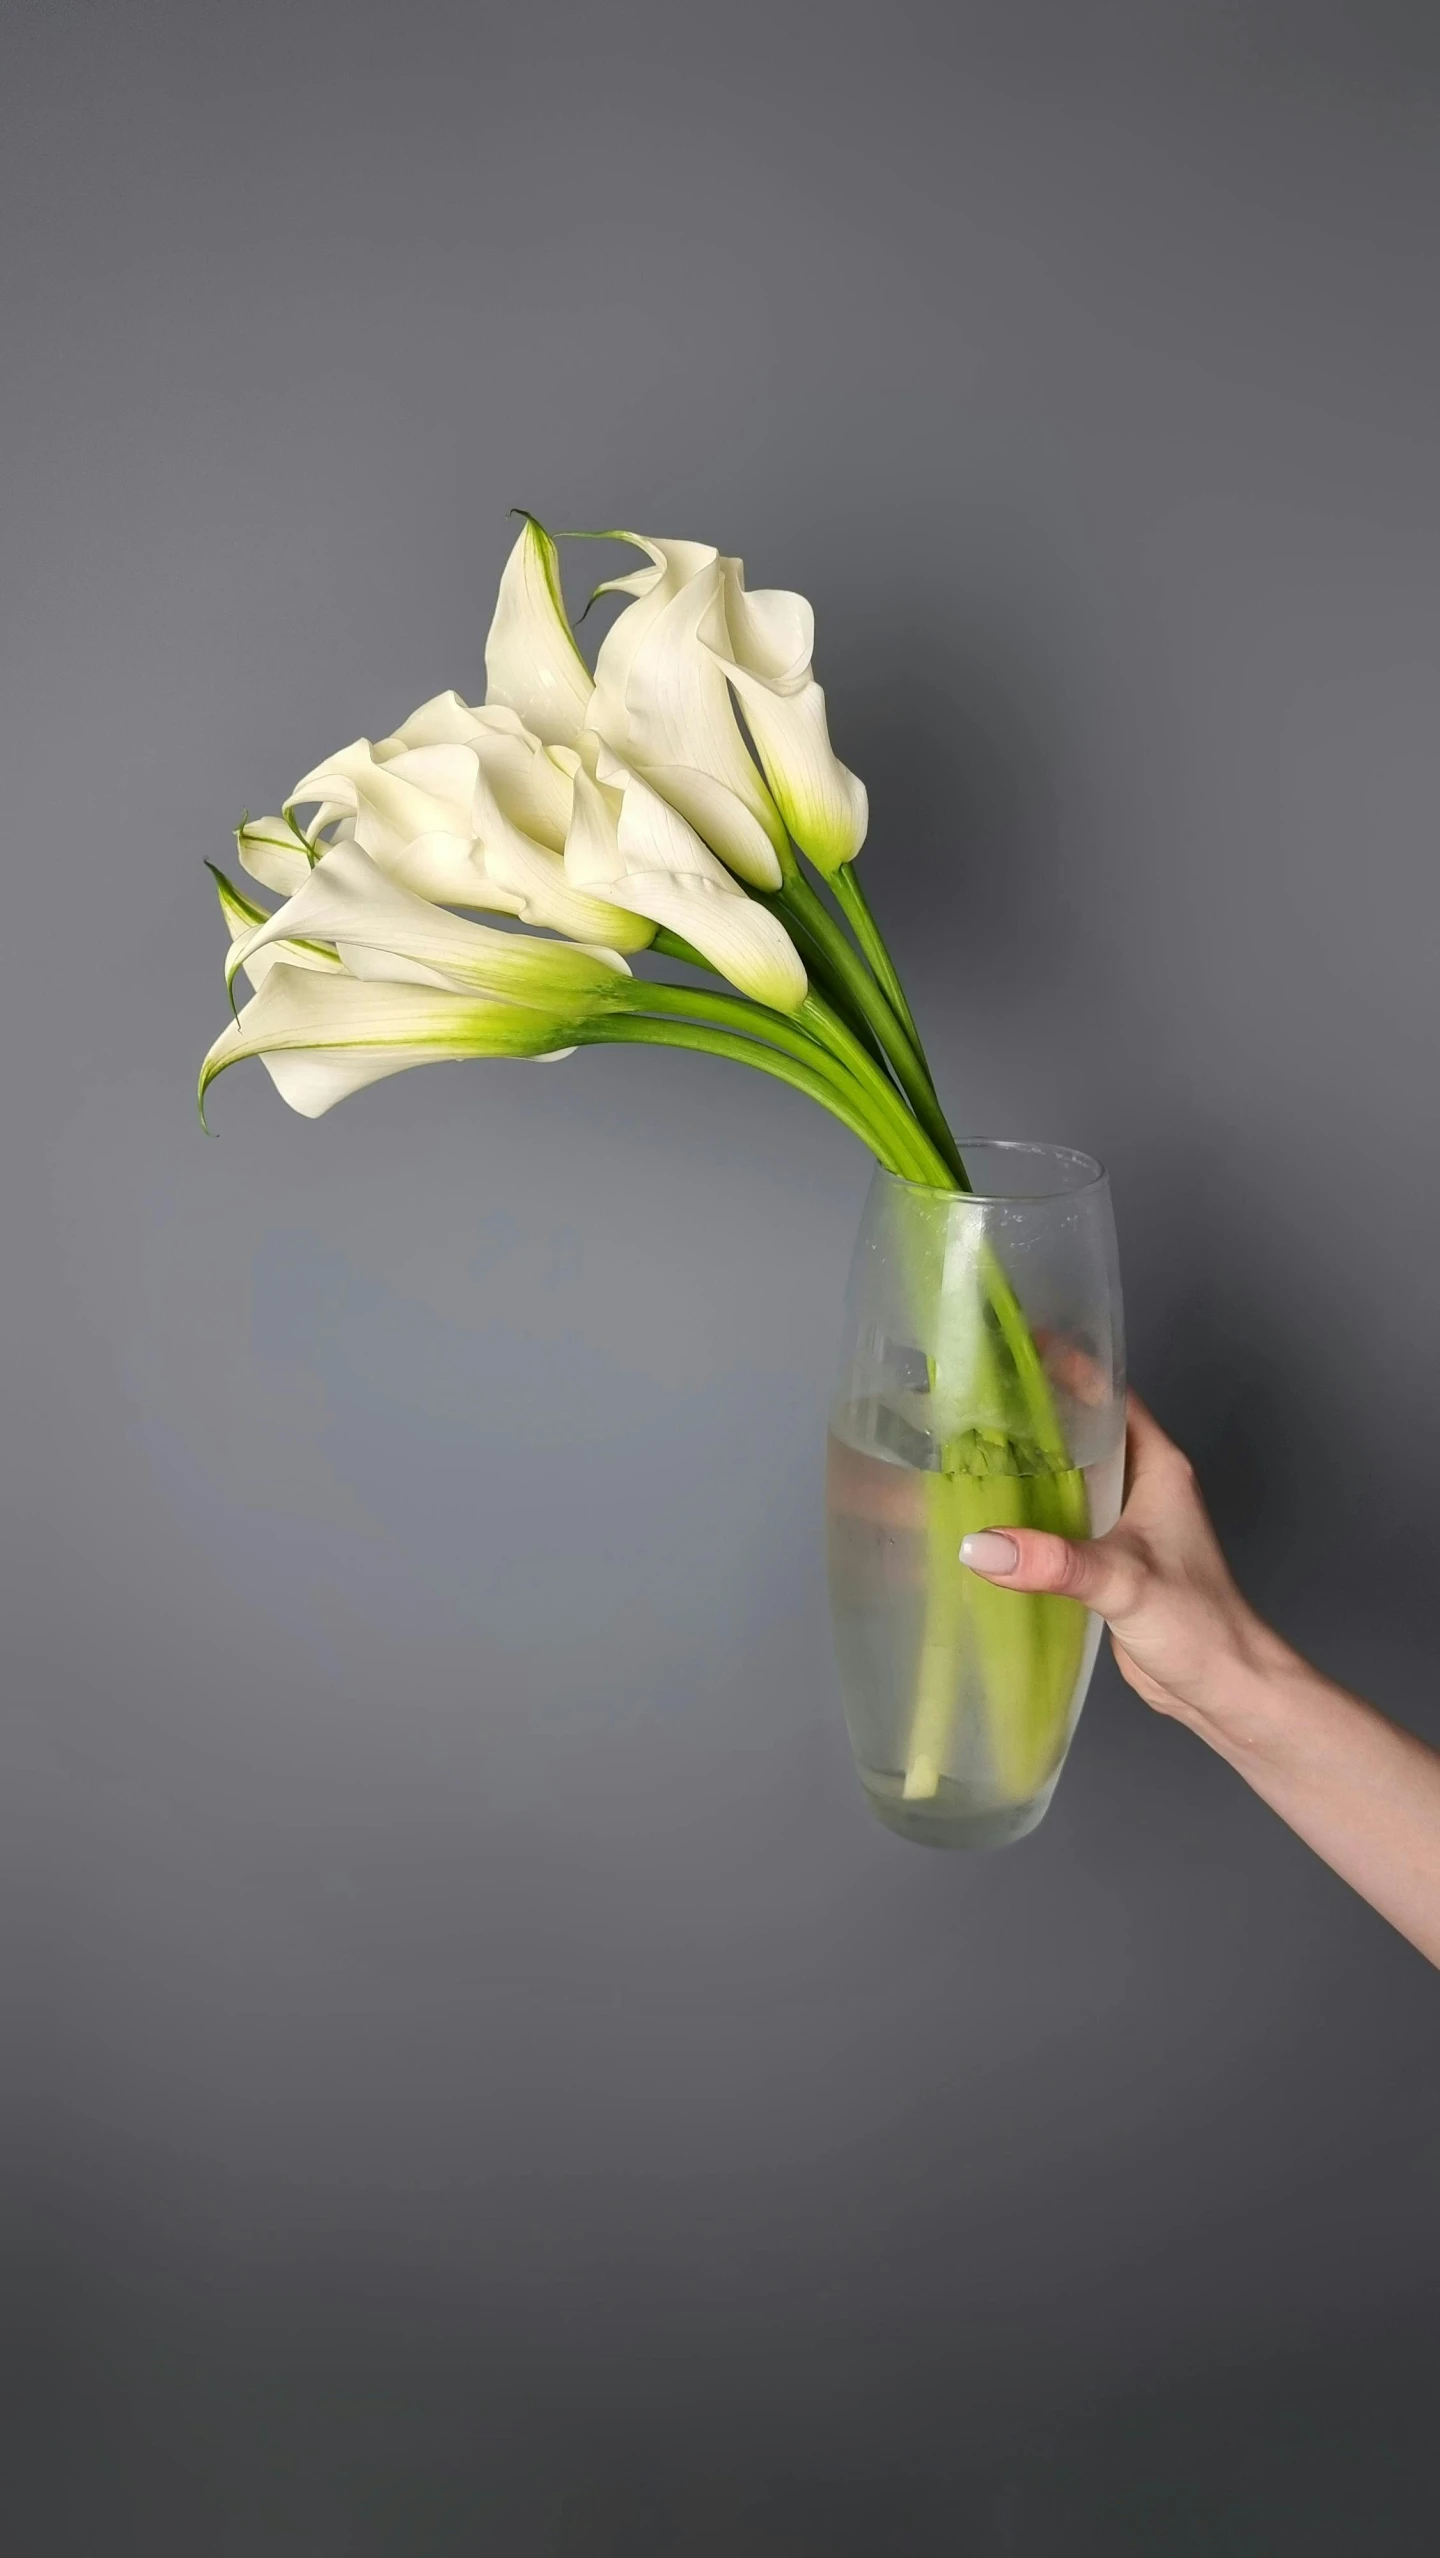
(981, 1385)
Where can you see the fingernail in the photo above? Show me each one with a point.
(989, 1552)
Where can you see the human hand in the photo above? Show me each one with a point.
(1183, 1635)
(1362, 1792)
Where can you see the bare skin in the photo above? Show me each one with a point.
(1361, 1792)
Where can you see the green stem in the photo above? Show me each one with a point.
(889, 1132)
(1015, 1331)
(875, 1111)
(837, 1006)
(824, 977)
(872, 1109)
(831, 1049)
(668, 945)
(925, 1163)
(851, 898)
(896, 1140)
(798, 899)
(630, 1028)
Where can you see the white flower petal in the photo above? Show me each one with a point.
(445, 720)
(524, 871)
(546, 894)
(386, 966)
(640, 852)
(592, 848)
(772, 631)
(245, 921)
(324, 1037)
(533, 788)
(419, 791)
(478, 822)
(651, 835)
(523, 779)
(242, 915)
(532, 664)
(423, 791)
(742, 940)
(415, 816)
(674, 565)
(382, 930)
(450, 873)
(772, 638)
(661, 702)
(622, 825)
(273, 852)
(724, 819)
(824, 804)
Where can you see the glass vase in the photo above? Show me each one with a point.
(981, 1385)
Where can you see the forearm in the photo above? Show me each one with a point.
(1362, 1793)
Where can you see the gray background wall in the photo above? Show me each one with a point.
(483, 2082)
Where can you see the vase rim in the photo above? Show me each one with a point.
(1086, 1173)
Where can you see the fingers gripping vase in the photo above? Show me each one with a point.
(981, 1385)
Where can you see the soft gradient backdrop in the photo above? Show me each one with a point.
(482, 2082)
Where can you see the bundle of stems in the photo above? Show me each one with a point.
(855, 1048)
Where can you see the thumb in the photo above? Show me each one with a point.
(1102, 1573)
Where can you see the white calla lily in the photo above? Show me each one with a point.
(662, 703)
(532, 665)
(673, 567)
(771, 644)
(324, 1037)
(381, 930)
(634, 848)
(540, 887)
(451, 820)
(531, 785)
(413, 813)
(245, 921)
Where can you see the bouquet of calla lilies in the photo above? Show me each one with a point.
(683, 799)
(661, 803)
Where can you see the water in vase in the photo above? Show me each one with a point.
(961, 1697)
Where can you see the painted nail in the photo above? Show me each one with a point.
(989, 1552)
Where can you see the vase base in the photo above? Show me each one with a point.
(950, 1817)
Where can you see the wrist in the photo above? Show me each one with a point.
(1251, 1698)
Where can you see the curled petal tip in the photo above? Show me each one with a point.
(532, 663)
